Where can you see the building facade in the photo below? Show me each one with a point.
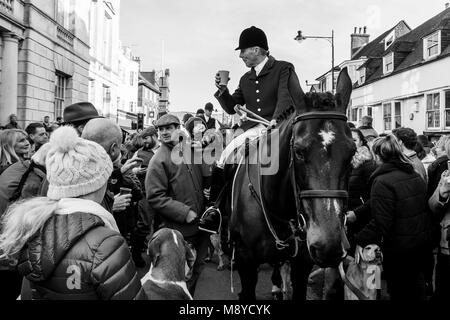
(402, 82)
(44, 57)
(399, 78)
(164, 100)
(104, 53)
(148, 97)
(127, 94)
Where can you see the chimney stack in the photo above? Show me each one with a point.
(358, 40)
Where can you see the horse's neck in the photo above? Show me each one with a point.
(281, 180)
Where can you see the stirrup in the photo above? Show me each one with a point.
(220, 220)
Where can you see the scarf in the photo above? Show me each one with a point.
(72, 205)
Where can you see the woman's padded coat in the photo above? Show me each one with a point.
(398, 202)
(76, 257)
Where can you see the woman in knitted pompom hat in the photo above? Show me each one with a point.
(66, 245)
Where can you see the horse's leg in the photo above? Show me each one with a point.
(300, 270)
(248, 274)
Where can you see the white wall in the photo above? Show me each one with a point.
(408, 87)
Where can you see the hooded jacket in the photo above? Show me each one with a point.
(75, 256)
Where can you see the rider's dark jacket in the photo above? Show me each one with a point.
(270, 94)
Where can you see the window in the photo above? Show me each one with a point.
(107, 40)
(360, 113)
(65, 14)
(131, 78)
(323, 84)
(131, 107)
(398, 114)
(389, 39)
(447, 108)
(369, 111)
(362, 75)
(388, 63)
(354, 114)
(433, 110)
(432, 45)
(60, 94)
(387, 116)
(106, 97)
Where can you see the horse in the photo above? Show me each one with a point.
(296, 213)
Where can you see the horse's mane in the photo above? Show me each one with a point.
(323, 101)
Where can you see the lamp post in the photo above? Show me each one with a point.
(300, 37)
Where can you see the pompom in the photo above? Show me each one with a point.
(64, 139)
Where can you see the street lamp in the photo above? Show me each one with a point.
(300, 37)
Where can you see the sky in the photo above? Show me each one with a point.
(196, 38)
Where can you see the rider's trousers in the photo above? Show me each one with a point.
(227, 156)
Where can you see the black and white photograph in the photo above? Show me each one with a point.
(228, 156)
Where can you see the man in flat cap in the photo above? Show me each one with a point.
(269, 89)
(175, 191)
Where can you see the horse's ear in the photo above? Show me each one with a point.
(343, 90)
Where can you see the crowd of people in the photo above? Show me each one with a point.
(398, 199)
(80, 198)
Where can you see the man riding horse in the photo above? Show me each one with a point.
(269, 89)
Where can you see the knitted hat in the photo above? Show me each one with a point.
(75, 166)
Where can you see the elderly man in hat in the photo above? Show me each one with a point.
(175, 190)
(78, 114)
(270, 89)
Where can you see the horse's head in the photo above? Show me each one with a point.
(322, 151)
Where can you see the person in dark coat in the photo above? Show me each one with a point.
(363, 165)
(175, 191)
(12, 122)
(211, 123)
(67, 245)
(398, 202)
(270, 89)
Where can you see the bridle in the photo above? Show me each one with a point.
(298, 228)
(312, 194)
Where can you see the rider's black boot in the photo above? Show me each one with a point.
(211, 218)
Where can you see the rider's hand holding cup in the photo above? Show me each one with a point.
(222, 79)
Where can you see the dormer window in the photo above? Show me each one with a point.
(389, 39)
(432, 45)
(388, 63)
(362, 76)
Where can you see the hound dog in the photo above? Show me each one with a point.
(365, 274)
(172, 260)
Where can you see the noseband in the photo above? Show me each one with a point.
(313, 194)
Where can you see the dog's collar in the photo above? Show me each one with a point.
(181, 284)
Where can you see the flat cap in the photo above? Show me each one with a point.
(167, 120)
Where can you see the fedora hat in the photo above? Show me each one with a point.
(81, 111)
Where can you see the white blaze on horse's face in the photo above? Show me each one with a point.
(175, 238)
(327, 137)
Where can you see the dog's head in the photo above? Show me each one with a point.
(171, 253)
(372, 254)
